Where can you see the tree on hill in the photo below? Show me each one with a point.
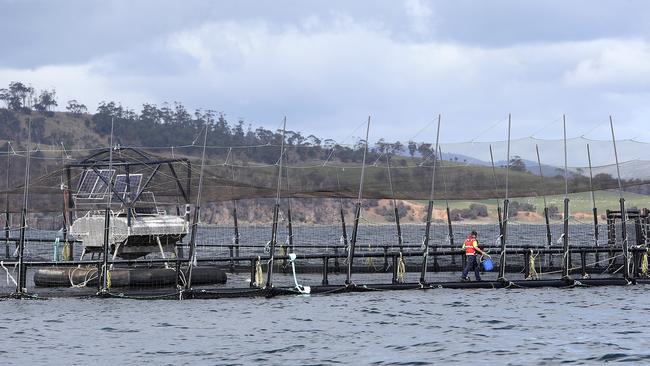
(46, 101)
(16, 96)
(517, 164)
(413, 147)
(425, 150)
(75, 108)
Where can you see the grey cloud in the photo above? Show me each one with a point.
(477, 62)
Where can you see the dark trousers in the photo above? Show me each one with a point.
(472, 264)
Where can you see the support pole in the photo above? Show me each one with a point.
(197, 210)
(400, 242)
(345, 239)
(503, 236)
(357, 212)
(566, 257)
(496, 192)
(611, 237)
(450, 227)
(235, 222)
(7, 214)
(594, 209)
(344, 231)
(427, 230)
(289, 221)
(107, 219)
(68, 179)
(235, 219)
(276, 210)
(22, 271)
(504, 222)
(626, 253)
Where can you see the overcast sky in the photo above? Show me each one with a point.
(327, 65)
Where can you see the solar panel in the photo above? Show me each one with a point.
(121, 186)
(100, 189)
(92, 187)
(87, 184)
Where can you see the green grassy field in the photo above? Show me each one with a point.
(578, 202)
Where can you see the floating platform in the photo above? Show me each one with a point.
(141, 277)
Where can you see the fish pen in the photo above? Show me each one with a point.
(201, 221)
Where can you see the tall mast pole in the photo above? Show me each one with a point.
(357, 211)
(276, 209)
(504, 222)
(107, 217)
(65, 188)
(289, 219)
(197, 209)
(427, 230)
(593, 200)
(344, 230)
(22, 275)
(235, 218)
(7, 217)
(450, 227)
(566, 260)
(626, 256)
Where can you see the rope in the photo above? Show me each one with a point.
(370, 261)
(65, 253)
(533, 275)
(182, 279)
(644, 264)
(9, 276)
(401, 269)
(87, 278)
(259, 274)
(305, 290)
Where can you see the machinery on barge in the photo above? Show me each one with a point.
(135, 227)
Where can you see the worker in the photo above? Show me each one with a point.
(471, 249)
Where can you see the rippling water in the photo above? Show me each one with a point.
(534, 326)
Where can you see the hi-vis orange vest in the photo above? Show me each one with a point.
(469, 246)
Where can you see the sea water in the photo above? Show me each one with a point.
(441, 326)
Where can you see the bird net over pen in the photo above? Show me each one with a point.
(152, 190)
(465, 171)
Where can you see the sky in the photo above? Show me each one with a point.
(328, 65)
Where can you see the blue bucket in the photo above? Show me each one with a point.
(487, 264)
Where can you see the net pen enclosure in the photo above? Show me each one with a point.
(268, 220)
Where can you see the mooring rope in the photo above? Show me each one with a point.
(182, 278)
(589, 264)
(532, 272)
(305, 290)
(108, 279)
(370, 261)
(65, 253)
(9, 276)
(401, 269)
(644, 264)
(87, 278)
(259, 274)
